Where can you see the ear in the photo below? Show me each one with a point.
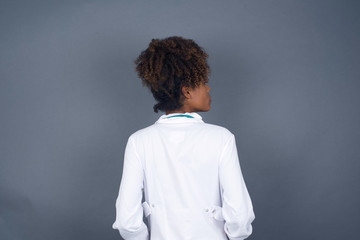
(186, 91)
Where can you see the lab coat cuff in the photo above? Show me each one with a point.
(142, 234)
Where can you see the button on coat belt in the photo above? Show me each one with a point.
(215, 212)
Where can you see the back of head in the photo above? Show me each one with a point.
(169, 64)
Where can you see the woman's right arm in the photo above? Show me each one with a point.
(237, 207)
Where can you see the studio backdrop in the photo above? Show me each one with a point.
(284, 79)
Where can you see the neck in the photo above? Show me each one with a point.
(174, 112)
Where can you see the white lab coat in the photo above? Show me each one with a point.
(193, 186)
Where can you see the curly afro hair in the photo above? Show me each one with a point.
(169, 64)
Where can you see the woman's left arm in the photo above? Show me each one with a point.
(129, 210)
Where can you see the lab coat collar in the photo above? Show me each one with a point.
(180, 118)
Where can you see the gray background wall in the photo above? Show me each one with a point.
(285, 81)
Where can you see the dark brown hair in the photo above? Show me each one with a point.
(169, 64)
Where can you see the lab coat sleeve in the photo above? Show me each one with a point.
(237, 207)
(129, 211)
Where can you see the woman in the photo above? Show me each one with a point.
(189, 170)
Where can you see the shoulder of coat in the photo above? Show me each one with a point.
(142, 132)
(218, 129)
